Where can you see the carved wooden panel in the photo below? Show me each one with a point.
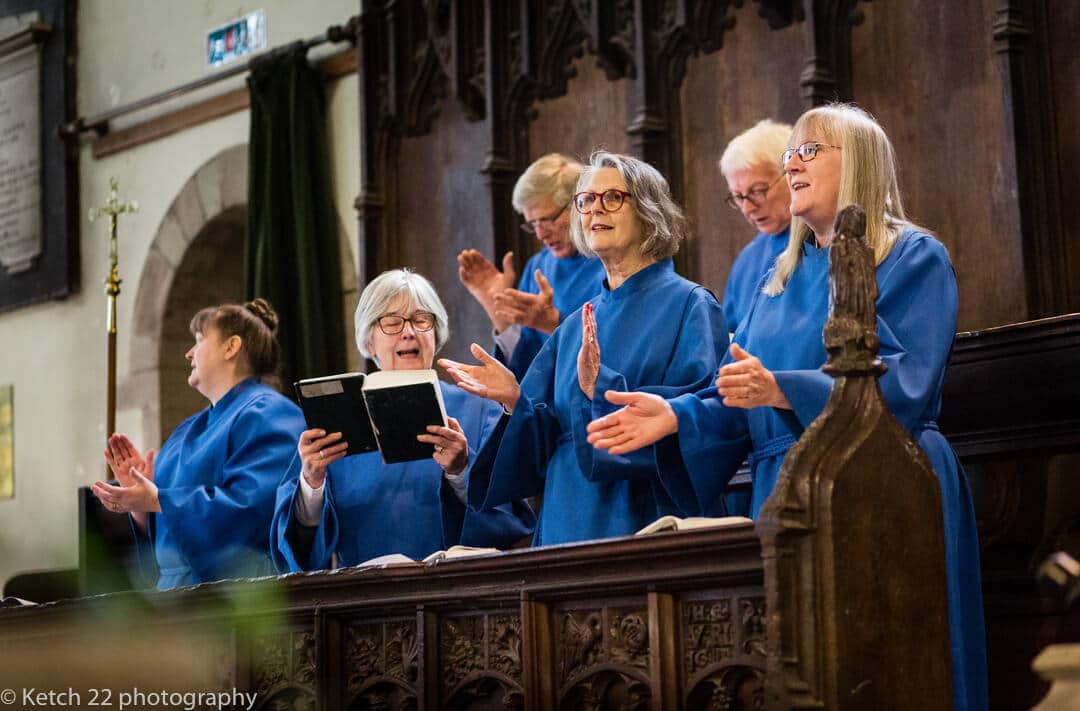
(723, 650)
(753, 76)
(943, 111)
(602, 657)
(381, 664)
(1061, 24)
(480, 661)
(283, 674)
(441, 212)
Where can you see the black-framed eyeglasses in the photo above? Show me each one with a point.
(533, 226)
(391, 325)
(806, 152)
(611, 200)
(755, 195)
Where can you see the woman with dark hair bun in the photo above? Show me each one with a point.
(204, 503)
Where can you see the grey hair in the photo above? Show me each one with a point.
(759, 145)
(553, 175)
(663, 224)
(382, 291)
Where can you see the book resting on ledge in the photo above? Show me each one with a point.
(382, 411)
(674, 523)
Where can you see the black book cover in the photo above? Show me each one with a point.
(336, 404)
(402, 412)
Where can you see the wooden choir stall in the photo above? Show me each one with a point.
(812, 607)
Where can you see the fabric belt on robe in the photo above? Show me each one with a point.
(779, 445)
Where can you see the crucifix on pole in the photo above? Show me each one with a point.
(112, 209)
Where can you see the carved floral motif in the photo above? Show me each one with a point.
(388, 649)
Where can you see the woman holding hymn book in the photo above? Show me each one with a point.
(341, 499)
(648, 329)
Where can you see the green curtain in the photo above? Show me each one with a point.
(291, 253)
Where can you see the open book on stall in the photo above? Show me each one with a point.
(453, 552)
(382, 411)
(674, 523)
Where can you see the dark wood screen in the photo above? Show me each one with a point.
(979, 97)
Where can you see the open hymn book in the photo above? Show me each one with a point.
(674, 523)
(394, 559)
(384, 410)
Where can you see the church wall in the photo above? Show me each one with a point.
(753, 76)
(55, 352)
(942, 108)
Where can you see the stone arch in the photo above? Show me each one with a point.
(218, 187)
(213, 199)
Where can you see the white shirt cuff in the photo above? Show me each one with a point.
(507, 340)
(457, 484)
(309, 505)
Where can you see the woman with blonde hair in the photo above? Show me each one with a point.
(771, 386)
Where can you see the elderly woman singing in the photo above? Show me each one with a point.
(649, 329)
(359, 508)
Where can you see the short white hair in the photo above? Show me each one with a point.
(382, 291)
(759, 145)
(553, 175)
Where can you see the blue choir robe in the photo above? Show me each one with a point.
(754, 261)
(916, 315)
(747, 277)
(216, 477)
(372, 509)
(574, 280)
(657, 332)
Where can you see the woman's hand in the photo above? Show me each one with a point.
(490, 379)
(135, 474)
(645, 419)
(588, 360)
(451, 447)
(484, 281)
(533, 310)
(137, 494)
(123, 456)
(317, 450)
(746, 383)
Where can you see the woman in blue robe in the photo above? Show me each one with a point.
(757, 190)
(204, 503)
(771, 386)
(648, 329)
(555, 282)
(359, 508)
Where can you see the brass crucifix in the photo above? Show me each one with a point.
(112, 209)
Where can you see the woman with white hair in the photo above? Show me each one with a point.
(556, 281)
(359, 508)
(771, 386)
(649, 329)
(758, 191)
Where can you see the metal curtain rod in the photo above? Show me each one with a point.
(99, 123)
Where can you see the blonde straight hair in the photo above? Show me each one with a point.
(867, 178)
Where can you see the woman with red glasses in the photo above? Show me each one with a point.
(649, 329)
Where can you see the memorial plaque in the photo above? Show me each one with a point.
(39, 164)
(20, 154)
